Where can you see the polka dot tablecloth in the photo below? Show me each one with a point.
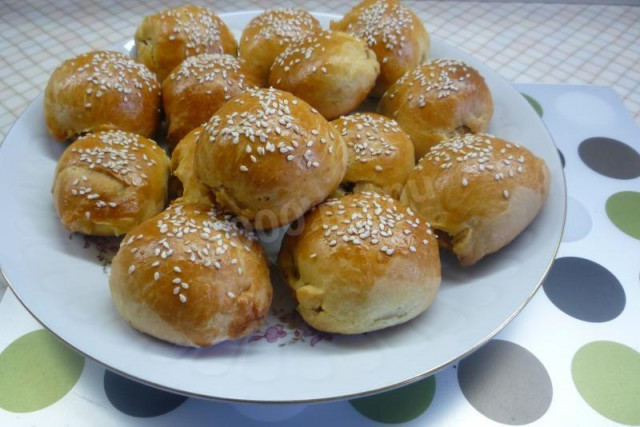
(570, 358)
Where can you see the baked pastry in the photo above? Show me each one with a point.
(108, 182)
(380, 153)
(361, 263)
(101, 90)
(268, 157)
(331, 70)
(196, 88)
(439, 100)
(269, 33)
(163, 40)
(395, 34)
(479, 191)
(191, 276)
(183, 168)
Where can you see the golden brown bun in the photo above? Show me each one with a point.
(481, 190)
(331, 70)
(380, 153)
(101, 90)
(269, 157)
(183, 168)
(165, 39)
(198, 87)
(191, 276)
(269, 33)
(108, 182)
(395, 34)
(439, 100)
(360, 263)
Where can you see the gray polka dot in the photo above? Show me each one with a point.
(584, 289)
(561, 158)
(578, 223)
(139, 400)
(610, 157)
(506, 382)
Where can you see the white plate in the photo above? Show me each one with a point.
(64, 285)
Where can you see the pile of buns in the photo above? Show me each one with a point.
(266, 134)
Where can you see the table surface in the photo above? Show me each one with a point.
(560, 362)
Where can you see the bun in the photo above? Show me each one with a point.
(101, 90)
(183, 168)
(269, 33)
(395, 34)
(108, 182)
(361, 263)
(191, 276)
(380, 153)
(198, 87)
(331, 70)
(165, 39)
(269, 157)
(480, 191)
(439, 100)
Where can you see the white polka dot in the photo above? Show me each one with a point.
(268, 413)
(585, 109)
(578, 223)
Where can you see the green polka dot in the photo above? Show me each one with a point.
(535, 104)
(607, 376)
(37, 370)
(400, 405)
(623, 210)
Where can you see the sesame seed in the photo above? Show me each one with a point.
(156, 276)
(183, 298)
(132, 268)
(505, 193)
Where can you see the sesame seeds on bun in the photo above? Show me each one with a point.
(380, 153)
(331, 70)
(393, 31)
(191, 276)
(89, 93)
(438, 100)
(269, 33)
(163, 40)
(198, 87)
(108, 182)
(268, 156)
(361, 263)
(479, 190)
